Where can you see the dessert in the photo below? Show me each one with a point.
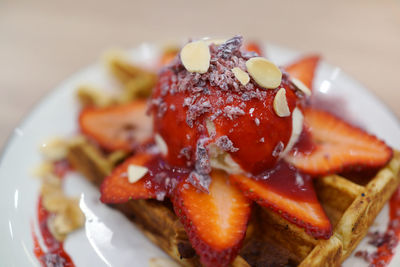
(234, 167)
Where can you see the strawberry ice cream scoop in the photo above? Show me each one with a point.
(223, 107)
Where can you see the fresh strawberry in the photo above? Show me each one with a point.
(263, 129)
(304, 69)
(116, 188)
(120, 127)
(253, 47)
(216, 222)
(337, 146)
(291, 194)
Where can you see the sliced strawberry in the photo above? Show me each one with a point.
(116, 188)
(337, 146)
(292, 195)
(158, 182)
(304, 69)
(253, 47)
(216, 222)
(119, 127)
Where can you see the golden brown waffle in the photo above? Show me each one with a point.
(351, 205)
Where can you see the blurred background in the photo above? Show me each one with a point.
(43, 42)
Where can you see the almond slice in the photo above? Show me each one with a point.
(241, 75)
(135, 173)
(280, 104)
(195, 57)
(301, 86)
(161, 144)
(264, 72)
(297, 128)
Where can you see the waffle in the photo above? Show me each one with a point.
(351, 205)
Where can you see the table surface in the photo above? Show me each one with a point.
(43, 42)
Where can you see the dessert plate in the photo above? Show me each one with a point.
(108, 239)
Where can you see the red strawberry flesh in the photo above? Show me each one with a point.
(255, 131)
(337, 146)
(289, 193)
(157, 183)
(304, 69)
(254, 47)
(216, 222)
(118, 127)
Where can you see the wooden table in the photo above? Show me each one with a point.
(43, 42)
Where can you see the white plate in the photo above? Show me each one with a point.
(108, 239)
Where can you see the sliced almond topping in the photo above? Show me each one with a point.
(195, 57)
(161, 144)
(280, 104)
(301, 86)
(297, 128)
(135, 173)
(264, 72)
(241, 75)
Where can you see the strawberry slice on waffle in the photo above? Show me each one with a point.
(291, 194)
(215, 222)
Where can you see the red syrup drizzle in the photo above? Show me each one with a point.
(305, 144)
(55, 254)
(163, 178)
(289, 182)
(385, 242)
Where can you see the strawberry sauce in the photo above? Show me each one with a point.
(53, 253)
(289, 182)
(304, 144)
(163, 178)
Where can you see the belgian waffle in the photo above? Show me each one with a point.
(351, 205)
